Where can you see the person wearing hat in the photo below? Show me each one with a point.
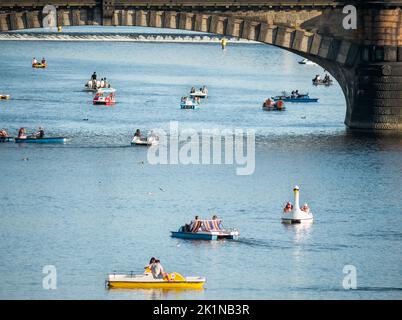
(305, 208)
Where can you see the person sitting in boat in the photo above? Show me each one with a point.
(327, 78)
(3, 133)
(190, 226)
(98, 84)
(317, 78)
(204, 90)
(43, 60)
(138, 134)
(40, 133)
(102, 83)
(157, 270)
(288, 207)
(34, 61)
(93, 77)
(305, 208)
(22, 133)
(147, 268)
(192, 90)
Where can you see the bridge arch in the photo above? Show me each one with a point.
(368, 75)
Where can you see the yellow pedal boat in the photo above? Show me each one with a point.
(4, 96)
(146, 281)
(39, 65)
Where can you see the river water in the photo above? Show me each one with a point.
(96, 204)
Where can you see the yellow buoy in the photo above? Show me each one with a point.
(59, 28)
(223, 43)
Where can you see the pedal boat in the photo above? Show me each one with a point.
(198, 94)
(270, 105)
(206, 230)
(4, 96)
(146, 281)
(41, 140)
(322, 82)
(296, 215)
(307, 61)
(39, 65)
(304, 98)
(187, 103)
(105, 96)
(148, 141)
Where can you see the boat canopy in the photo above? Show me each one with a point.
(207, 225)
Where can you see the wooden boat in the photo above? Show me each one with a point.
(304, 98)
(41, 140)
(105, 96)
(4, 96)
(39, 65)
(147, 281)
(205, 230)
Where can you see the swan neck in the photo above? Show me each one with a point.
(297, 205)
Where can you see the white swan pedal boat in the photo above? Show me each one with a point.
(296, 215)
(148, 141)
(147, 281)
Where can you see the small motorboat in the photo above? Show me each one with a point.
(304, 98)
(297, 215)
(4, 96)
(105, 96)
(41, 140)
(145, 141)
(202, 93)
(39, 65)
(307, 62)
(187, 103)
(174, 280)
(270, 105)
(205, 230)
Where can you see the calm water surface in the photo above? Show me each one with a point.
(95, 205)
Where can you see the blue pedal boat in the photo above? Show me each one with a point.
(304, 98)
(205, 230)
(42, 140)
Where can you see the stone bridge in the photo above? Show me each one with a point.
(366, 61)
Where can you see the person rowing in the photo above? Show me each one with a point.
(34, 61)
(40, 133)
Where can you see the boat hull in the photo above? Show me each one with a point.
(42, 140)
(6, 139)
(39, 65)
(183, 106)
(204, 236)
(301, 100)
(155, 285)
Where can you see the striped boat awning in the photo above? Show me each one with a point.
(207, 225)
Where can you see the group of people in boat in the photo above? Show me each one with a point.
(22, 134)
(188, 227)
(35, 62)
(94, 83)
(203, 90)
(156, 269)
(289, 207)
(326, 80)
(295, 94)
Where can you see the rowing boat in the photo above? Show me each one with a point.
(42, 140)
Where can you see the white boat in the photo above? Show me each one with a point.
(94, 85)
(147, 281)
(199, 94)
(146, 141)
(307, 62)
(187, 103)
(296, 215)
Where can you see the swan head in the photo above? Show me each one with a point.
(296, 188)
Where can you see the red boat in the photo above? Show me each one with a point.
(105, 96)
